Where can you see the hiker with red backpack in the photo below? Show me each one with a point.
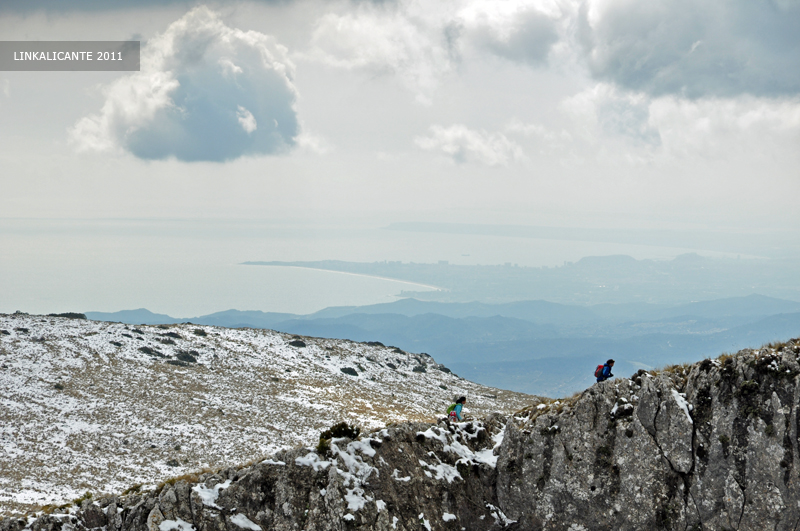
(603, 372)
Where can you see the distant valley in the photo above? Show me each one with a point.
(535, 347)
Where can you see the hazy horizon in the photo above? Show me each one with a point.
(532, 132)
(187, 268)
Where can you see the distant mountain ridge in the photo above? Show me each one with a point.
(535, 310)
(531, 346)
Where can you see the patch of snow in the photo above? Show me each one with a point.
(209, 496)
(425, 523)
(499, 517)
(313, 460)
(244, 522)
(355, 499)
(395, 475)
(178, 524)
(434, 433)
(363, 445)
(448, 517)
(442, 470)
(380, 504)
(683, 404)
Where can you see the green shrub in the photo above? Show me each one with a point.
(324, 447)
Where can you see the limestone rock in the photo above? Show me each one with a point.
(713, 445)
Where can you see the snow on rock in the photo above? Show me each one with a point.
(682, 403)
(209, 496)
(620, 471)
(180, 525)
(244, 522)
(96, 406)
(313, 460)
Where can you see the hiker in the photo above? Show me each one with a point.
(603, 372)
(454, 411)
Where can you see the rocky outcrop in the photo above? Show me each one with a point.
(713, 445)
(709, 446)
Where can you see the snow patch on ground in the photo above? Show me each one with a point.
(98, 406)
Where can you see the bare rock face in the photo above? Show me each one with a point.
(708, 446)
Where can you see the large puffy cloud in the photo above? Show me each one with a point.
(421, 41)
(205, 92)
(524, 31)
(467, 145)
(392, 38)
(528, 41)
(715, 48)
(695, 49)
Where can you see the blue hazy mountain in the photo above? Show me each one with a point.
(533, 346)
(140, 316)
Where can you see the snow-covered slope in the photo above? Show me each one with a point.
(93, 406)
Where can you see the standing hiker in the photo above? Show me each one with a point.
(603, 372)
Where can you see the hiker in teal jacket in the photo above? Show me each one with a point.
(455, 413)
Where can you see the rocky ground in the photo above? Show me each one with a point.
(712, 445)
(98, 407)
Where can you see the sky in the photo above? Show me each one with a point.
(613, 114)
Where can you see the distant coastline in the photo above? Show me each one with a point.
(272, 264)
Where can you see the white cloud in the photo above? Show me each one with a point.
(520, 31)
(733, 128)
(205, 92)
(421, 41)
(465, 145)
(616, 124)
(715, 48)
(398, 39)
(246, 119)
(614, 111)
(313, 143)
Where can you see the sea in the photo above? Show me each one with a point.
(188, 268)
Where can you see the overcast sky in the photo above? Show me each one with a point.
(598, 113)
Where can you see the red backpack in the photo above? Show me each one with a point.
(598, 372)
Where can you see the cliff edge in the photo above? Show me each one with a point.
(713, 445)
